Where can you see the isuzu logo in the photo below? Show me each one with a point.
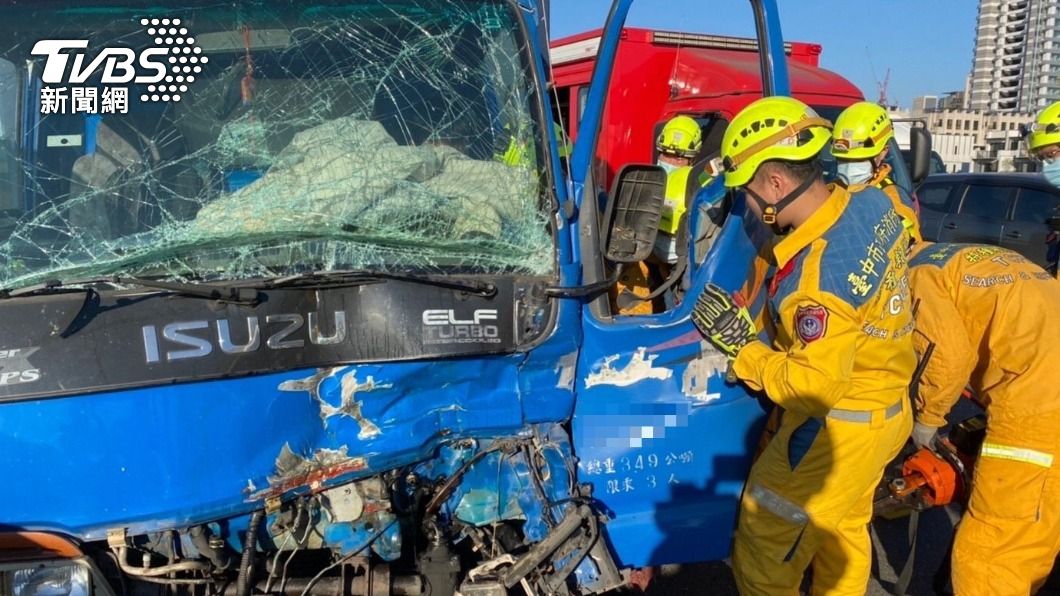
(198, 339)
(442, 326)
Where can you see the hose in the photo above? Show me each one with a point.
(200, 537)
(246, 565)
(158, 571)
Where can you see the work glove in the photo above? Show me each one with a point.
(924, 435)
(723, 321)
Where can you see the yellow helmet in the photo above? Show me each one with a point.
(681, 136)
(780, 128)
(861, 131)
(1046, 129)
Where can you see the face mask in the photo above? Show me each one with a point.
(855, 172)
(669, 167)
(1052, 172)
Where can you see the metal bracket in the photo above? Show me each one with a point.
(117, 538)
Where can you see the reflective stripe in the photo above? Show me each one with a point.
(865, 416)
(674, 201)
(1030, 456)
(778, 505)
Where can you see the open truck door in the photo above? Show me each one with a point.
(664, 441)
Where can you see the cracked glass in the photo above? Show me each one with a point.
(235, 140)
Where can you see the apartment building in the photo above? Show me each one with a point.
(1016, 66)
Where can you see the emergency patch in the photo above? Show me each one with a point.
(811, 322)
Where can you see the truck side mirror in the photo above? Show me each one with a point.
(632, 217)
(920, 144)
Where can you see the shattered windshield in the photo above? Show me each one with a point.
(232, 140)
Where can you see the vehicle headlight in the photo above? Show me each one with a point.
(47, 578)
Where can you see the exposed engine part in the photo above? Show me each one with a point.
(416, 530)
(439, 566)
(119, 544)
(489, 568)
(610, 578)
(489, 588)
(210, 546)
(447, 488)
(356, 577)
(547, 564)
(577, 531)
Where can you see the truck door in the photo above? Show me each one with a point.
(663, 440)
(1027, 230)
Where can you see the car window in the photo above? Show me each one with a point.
(990, 202)
(1035, 206)
(935, 197)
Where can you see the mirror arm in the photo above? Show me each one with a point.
(592, 289)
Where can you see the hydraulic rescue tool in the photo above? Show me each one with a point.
(932, 476)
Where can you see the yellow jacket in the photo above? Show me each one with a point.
(674, 206)
(902, 202)
(840, 304)
(994, 318)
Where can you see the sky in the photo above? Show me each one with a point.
(927, 44)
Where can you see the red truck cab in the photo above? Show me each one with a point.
(662, 74)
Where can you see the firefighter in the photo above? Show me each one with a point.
(985, 309)
(562, 143)
(1044, 144)
(678, 145)
(839, 367)
(859, 144)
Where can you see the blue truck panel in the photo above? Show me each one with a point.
(586, 443)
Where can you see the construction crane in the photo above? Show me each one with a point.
(881, 88)
(882, 100)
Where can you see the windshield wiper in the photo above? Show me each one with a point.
(248, 293)
(191, 289)
(346, 278)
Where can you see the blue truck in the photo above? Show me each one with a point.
(299, 297)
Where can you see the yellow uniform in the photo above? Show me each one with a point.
(840, 369)
(991, 315)
(902, 202)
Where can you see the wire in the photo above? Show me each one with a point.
(298, 546)
(275, 560)
(345, 558)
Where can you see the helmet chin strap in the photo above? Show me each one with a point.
(770, 212)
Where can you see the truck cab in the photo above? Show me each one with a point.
(297, 298)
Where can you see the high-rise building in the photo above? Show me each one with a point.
(925, 103)
(953, 100)
(1016, 67)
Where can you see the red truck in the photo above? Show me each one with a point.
(661, 74)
